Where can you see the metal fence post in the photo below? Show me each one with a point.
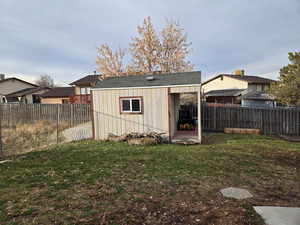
(1, 133)
(57, 124)
(1, 143)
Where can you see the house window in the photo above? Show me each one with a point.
(131, 105)
(82, 91)
(88, 90)
(85, 91)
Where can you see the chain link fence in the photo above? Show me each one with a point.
(29, 127)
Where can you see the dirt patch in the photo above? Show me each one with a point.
(290, 158)
(212, 138)
(291, 138)
(275, 195)
(157, 211)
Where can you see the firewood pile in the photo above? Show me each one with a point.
(151, 138)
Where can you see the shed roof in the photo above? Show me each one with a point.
(171, 79)
(224, 92)
(59, 92)
(257, 95)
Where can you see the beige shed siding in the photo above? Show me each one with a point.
(109, 120)
(226, 83)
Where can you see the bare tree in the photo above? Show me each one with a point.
(149, 52)
(45, 81)
(145, 48)
(110, 63)
(174, 49)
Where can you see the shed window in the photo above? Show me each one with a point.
(131, 105)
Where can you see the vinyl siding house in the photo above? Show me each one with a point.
(246, 90)
(142, 103)
(12, 85)
(27, 95)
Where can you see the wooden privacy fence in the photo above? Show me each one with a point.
(282, 121)
(73, 113)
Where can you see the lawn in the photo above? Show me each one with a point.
(91, 182)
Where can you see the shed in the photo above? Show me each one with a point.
(143, 103)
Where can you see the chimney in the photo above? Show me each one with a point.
(2, 76)
(239, 72)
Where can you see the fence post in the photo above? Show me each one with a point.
(1, 143)
(72, 115)
(57, 124)
(215, 118)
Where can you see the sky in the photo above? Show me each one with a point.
(60, 37)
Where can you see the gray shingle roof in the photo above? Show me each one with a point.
(224, 92)
(257, 95)
(159, 80)
(247, 78)
(59, 92)
(89, 79)
(27, 91)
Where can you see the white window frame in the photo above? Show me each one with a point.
(85, 90)
(82, 91)
(130, 102)
(88, 91)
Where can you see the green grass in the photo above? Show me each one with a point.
(93, 182)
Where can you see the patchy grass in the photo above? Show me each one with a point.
(26, 137)
(93, 182)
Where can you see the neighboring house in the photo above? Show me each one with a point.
(83, 88)
(239, 89)
(12, 85)
(58, 95)
(27, 95)
(232, 96)
(143, 103)
(258, 99)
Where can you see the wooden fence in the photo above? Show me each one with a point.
(73, 113)
(281, 121)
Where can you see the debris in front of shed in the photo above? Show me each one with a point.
(151, 138)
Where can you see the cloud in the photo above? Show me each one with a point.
(60, 37)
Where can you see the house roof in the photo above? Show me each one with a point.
(151, 80)
(59, 92)
(257, 95)
(224, 92)
(247, 78)
(87, 80)
(26, 91)
(14, 78)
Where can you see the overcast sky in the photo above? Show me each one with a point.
(60, 37)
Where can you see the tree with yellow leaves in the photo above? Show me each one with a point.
(149, 52)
